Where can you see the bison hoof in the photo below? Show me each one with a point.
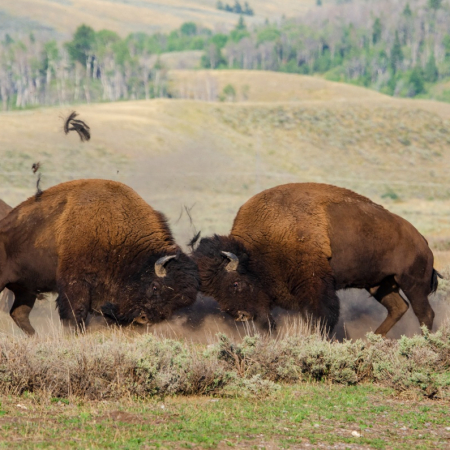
(243, 316)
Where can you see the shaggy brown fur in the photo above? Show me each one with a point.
(297, 244)
(6, 297)
(95, 243)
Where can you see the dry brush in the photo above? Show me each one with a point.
(113, 364)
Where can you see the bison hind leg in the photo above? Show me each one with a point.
(21, 308)
(388, 295)
(418, 297)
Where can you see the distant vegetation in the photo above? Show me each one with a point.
(237, 8)
(93, 66)
(399, 48)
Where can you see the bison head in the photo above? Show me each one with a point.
(166, 283)
(228, 274)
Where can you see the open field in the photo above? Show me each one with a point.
(149, 16)
(263, 86)
(117, 389)
(297, 417)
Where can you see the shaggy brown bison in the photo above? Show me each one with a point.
(101, 248)
(295, 245)
(6, 297)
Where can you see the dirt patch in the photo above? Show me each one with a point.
(125, 417)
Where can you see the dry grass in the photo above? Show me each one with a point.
(114, 364)
(262, 86)
(143, 15)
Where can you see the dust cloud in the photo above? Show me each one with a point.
(361, 313)
(201, 322)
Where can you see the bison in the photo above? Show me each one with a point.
(295, 245)
(6, 298)
(101, 248)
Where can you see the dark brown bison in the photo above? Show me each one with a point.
(101, 248)
(295, 245)
(6, 297)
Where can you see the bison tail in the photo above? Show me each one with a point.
(434, 280)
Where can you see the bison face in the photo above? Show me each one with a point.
(241, 294)
(228, 275)
(169, 283)
(175, 285)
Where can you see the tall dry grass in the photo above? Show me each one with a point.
(114, 363)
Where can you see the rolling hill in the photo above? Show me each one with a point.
(126, 16)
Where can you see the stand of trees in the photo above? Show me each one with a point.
(93, 66)
(400, 48)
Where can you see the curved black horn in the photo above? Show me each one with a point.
(234, 261)
(160, 270)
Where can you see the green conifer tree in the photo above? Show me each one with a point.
(396, 54)
(376, 31)
(407, 11)
(434, 4)
(431, 73)
(416, 81)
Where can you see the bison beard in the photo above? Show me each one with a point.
(295, 245)
(101, 248)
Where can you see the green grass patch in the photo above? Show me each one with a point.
(317, 414)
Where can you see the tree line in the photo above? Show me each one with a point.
(399, 48)
(93, 66)
(236, 8)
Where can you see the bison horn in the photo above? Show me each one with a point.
(234, 261)
(160, 270)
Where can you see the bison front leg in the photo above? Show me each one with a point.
(21, 308)
(322, 307)
(262, 318)
(266, 322)
(73, 304)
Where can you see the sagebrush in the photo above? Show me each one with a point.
(112, 365)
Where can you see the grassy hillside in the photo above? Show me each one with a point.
(263, 86)
(141, 15)
(212, 157)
